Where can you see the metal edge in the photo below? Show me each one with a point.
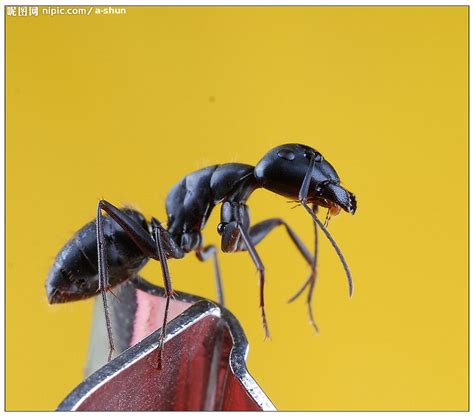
(238, 364)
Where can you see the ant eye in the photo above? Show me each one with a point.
(286, 154)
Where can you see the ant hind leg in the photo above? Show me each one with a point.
(157, 235)
(203, 254)
(137, 234)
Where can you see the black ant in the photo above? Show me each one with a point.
(112, 249)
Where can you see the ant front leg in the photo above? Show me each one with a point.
(261, 270)
(260, 230)
(231, 233)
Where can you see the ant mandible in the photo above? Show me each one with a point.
(113, 248)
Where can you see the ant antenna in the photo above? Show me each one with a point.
(334, 244)
(302, 195)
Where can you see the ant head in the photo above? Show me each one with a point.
(283, 169)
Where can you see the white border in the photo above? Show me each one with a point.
(208, 3)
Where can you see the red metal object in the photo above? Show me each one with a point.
(204, 358)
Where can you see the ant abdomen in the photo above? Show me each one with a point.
(74, 274)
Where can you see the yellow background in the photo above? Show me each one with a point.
(122, 107)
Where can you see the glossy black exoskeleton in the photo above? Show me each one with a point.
(115, 247)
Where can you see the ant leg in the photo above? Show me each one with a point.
(261, 270)
(157, 233)
(136, 232)
(103, 277)
(171, 248)
(260, 230)
(204, 254)
(300, 291)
